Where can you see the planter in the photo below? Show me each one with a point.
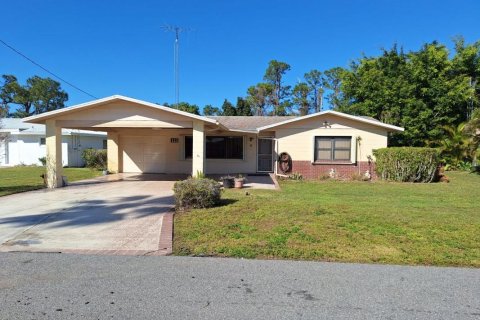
(239, 183)
(227, 182)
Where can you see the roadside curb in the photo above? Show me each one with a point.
(166, 236)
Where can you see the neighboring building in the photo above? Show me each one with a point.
(145, 137)
(23, 143)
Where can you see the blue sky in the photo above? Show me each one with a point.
(118, 47)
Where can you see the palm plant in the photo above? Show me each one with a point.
(472, 129)
(456, 147)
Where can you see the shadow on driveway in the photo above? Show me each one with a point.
(89, 212)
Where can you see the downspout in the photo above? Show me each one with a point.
(275, 169)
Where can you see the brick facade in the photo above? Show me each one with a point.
(342, 171)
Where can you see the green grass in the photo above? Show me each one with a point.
(380, 222)
(20, 179)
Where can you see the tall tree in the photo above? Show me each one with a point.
(315, 81)
(378, 87)
(419, 91)
(466, 61)
(332, 79)
(7, 93)
(210, 110)
(243, 107)
(442, 97)
(279, 96)
(184, 106)
(228, 109)
(259, 98)
(301, 93)
(37, 96)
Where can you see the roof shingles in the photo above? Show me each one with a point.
(248, 123)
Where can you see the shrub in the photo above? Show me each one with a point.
(357, 177)
(324, 176)
(200, 175)
(407, 164)
(196, 193)
(95, 158)
(296, 176)
(43, 161)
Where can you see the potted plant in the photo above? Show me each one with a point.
(239, 180)
(227, 181)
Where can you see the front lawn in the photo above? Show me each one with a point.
(20, 179)
(398, 223)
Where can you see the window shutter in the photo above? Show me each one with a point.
(313, 148)
(353, 154)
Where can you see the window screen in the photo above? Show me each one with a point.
(218, 147)
(333, 148)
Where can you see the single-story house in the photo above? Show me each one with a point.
(144, 137)
(23, 144)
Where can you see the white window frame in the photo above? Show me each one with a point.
(353, 149)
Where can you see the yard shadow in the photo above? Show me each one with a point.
(130, 177)
(155, 177)
(226, 202)
(90, 212)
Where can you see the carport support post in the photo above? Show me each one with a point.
(53, 143)
(198, 154)
(112, 152)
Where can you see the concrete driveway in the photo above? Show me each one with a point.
(120, 214)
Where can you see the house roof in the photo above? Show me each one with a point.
(362, 119)
(231, 123)
(50, 114)
(252, 123)
(248, 123)
(16, 126)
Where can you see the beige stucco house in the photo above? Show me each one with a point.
(144, 137)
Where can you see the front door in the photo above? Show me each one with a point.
(265, 155)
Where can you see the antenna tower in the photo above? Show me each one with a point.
(176, 30)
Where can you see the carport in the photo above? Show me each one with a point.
(143, 137)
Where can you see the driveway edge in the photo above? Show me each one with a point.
(166, 236)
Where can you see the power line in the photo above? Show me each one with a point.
(46, 70)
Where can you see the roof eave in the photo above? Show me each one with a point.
(244, 131)
(344, 115)
(46, 115)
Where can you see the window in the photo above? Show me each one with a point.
(188, 147)
(332, 148)
(217, 147)
(42, 141)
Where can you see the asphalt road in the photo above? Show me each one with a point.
(65, 286)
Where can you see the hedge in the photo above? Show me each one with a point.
(196, 193)
(407, 164)
(95, 158)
